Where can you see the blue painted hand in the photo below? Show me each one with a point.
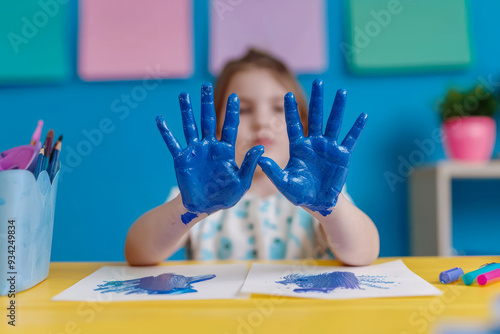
(207, 174)
(317, 168)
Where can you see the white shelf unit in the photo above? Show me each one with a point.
(431, 203)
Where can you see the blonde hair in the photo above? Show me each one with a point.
(257, 59)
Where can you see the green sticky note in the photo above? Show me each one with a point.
(393, 36)
(33, 43)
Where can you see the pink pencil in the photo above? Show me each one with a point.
(489, 277)
(37, 134)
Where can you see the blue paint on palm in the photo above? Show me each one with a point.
(317, 168)
(208, 177)
(162, 284)
(327, 282)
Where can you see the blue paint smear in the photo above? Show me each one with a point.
(327, 282)
(187, 217)
(2, 201)
(162, 284)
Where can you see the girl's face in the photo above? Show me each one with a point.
(262, 116)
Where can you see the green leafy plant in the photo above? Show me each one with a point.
(477, 102)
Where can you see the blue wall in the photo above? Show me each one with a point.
(130, 170)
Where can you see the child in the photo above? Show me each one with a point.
(226, 212)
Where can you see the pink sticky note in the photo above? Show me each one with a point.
(293, 30)
(130, 39)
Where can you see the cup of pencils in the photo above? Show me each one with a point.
(28, 185)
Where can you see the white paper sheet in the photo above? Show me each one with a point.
(225, 285)
(391, 279)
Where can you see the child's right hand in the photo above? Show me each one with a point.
(207, 174)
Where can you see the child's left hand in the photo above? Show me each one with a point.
(317, 169)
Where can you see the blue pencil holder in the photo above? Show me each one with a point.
(26, 225)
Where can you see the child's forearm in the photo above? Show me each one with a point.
(158, 234)
(351, 234)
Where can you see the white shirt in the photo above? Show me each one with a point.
(257, 228)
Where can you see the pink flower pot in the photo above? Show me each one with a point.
(470, 138)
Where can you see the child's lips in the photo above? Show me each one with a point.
(263, 141)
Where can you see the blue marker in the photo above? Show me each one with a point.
(451, 275)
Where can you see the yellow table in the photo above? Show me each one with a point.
(36, 313)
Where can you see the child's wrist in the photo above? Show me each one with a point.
(187, 216)
(335, 210)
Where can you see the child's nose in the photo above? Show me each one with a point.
(262, 118)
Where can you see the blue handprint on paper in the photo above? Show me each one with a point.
(208, 177)
(317, 168)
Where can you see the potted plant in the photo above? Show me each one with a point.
(469, 130)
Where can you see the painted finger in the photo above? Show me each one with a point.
(316, 109)
(293, 124)
(250, 163)
(273, 172)
(208, 122)
(188, 122)
(352, 137)
(335, 119)
(232, 119)
(168, 137)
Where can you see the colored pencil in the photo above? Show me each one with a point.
(48, 148)
(39, 163)
(54, 160)
(59, 140)
(48, 143)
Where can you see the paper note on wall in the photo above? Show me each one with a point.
(294, 31)
(33, 47)
(407, 36)
(129, 39)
